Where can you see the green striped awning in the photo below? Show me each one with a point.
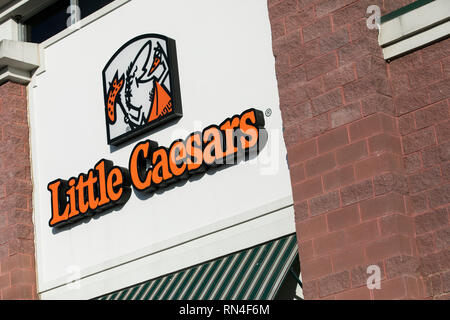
(251, 274)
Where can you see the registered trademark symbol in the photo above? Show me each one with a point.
(268, 112)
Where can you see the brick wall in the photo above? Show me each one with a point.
(368, 151)
(17, 269)
(421, 91)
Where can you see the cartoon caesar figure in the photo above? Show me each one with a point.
(147, 88)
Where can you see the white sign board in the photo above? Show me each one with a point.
(226, 66)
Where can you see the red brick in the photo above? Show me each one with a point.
(293, 96)
(297, 173)
(425, 244)
(402, 266)
(348, 259)
(3, 218)
(400, 83)
(385, 142)
(314, 127)
(314, 269)
(391, 289)
(325, 7)
(286, 44)
(291, 135)
(20, 216)
(431, 115)
(371, 125)
(305, 249)
(339, 178)
(22, 277)
(431, 221)
(359, 30)
(281, 62)
(301, 211)
(307, 189)
(17, 261)
(439, 91)
(440, 196)
(333, 139)
(411, 100)
(330, 242)
(397, 224)
(413, 163)
(310, 290)
(442, 239)
(334, 40)
(436, 51)
(21, 246)
(304, 53)
(292, 115)
(362, 293)
(419, 140)
(18, 292)
(294, 78)
(443, 131)
(321, 65)
(429, 264)
(300, 19)
(390, 182)
(436, 284)
(351, 153)
(345, 115)
(327, 102)
(380, 206)
(17, 130)
(317, 29)
(417, 203)
(343, 218)
(362, 232)
(388, 247)
(446, 67)
(436, 154)
(446, 171)
(302, 152)
(339, 77)
(357, 192)
(278, 29)
(5, 281)
(334, 283)
(371, 65)
(423, 76)
(357, 49)
(325, 203)
(406, 124)
(364, 87)
(281, 9)
(446, 281)
(424, 180)
(320, 164)
(4, 251)
(312, 227)
(11, 88)
(407, 62)
(376, 165)
(353, 11)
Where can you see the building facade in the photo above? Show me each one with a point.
(334, 115)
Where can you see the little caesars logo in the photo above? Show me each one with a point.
(141, 92)
(141, 87)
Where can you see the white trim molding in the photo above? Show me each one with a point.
(414, 26)
(18, 61)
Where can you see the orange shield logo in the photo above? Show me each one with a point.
(141, 87)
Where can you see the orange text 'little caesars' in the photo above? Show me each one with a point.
(152, 167)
